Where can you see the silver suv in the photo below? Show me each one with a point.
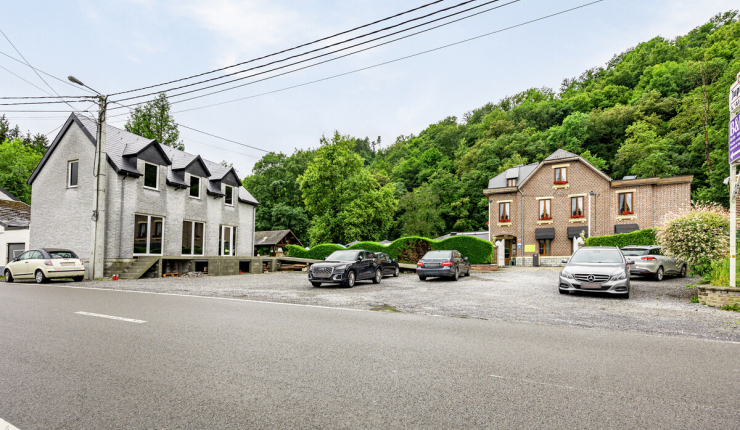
(650, 261)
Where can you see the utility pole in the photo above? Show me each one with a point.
(97, 259)
(97, 248)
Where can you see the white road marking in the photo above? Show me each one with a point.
(4, 425)
(111, 317)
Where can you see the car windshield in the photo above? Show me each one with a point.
(597, 256)
(343, 256)
(436, 254)
(62, 254)
(628, 252)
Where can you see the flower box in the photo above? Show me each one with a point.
(545, 218)
(504, 220)
(578, 216)
(627, 212)
(560, 182)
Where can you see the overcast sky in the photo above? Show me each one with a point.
(118, 45)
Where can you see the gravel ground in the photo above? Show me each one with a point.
(514, 295)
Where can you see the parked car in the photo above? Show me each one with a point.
(650, 261)
(389, 265)
(447, 264)
(596, 269)
(44, 264)
(346, 267)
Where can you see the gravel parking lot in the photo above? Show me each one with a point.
(512, 294)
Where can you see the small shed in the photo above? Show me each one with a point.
(274, 239)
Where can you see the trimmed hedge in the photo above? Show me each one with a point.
(408, 249)
(641, 238)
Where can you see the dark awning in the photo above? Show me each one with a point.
(544, 233)
(625, 228)
(576, 231)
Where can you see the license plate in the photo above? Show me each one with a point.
(432, 265)
(590, 286)
(68, 264)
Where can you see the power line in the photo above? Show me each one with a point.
(41, 97)
(285, 50)
(47, 74)
(223, 138)
(46, 103)
(322, 55)
(26, 81)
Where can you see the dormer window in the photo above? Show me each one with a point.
(151, 176)
(229, 195)
(561, 176)
(194, 187)
(511, 182)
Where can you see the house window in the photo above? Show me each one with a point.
(625, 204)
(195, 187)
(73, 168)
(148, 235)
(229, 196)
(192, 238)
(576, 207)
(227, 240)
(561, 175)
(151, 176)
(545, 213)
(511, 182)
(503, 212)
(545, 246)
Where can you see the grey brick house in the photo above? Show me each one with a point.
(167, 210)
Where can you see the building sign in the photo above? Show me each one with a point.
(529, 248)
(734, 139)
(735, 95)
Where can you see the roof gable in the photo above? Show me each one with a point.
(563, 155)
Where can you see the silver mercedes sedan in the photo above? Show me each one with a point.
(596, 269)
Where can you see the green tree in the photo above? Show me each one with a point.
(422, 215)
(153, 120)
(17, 162)
(345, 201)
(643, 153)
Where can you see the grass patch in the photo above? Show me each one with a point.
(690, 287)
(694, 299)
(735, 307)
(384, 308)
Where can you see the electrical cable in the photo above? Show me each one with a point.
(47, 74)
(46, 103)
(285, 50)
(42, 97)
(26, 81)
(325, 54)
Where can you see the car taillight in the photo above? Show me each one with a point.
(48, 263)
(648, 258)
(420, 264)
(446, 263)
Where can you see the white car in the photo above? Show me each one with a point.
(44, 264)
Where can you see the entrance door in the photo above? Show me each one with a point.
(14, 251)
(226, 241)
(508, 243)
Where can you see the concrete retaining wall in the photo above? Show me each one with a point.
(718, 296)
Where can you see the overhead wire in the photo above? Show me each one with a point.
(284, 50)
(325, 54)
(47, 74)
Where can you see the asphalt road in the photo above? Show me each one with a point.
(208, 363)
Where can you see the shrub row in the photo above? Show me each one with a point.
(408, 249)
(641, 237)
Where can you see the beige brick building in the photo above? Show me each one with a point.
(542, 208)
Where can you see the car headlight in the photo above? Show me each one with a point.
(567, 274)
(618, 277)
(342, 268)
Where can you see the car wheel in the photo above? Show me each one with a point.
(468, 272)
(316, 284)
(659, 274)
(397, 272)
(422, 278)
(78, 278)
(456, 276)
(8, 276)
(350, 280)
(378, 276)
(683, 271)
(40, 277)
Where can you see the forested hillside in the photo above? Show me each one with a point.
(659, 109)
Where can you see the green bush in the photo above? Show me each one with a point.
(719, 274)
(641, 237)
(408, 249)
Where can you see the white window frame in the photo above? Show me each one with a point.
(232, 236)
(232, 195)
(190, 184)
(69, 173)
(149, 233)
(192, 238)
(156, 188)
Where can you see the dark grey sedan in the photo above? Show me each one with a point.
(596, 269)
(443, 264)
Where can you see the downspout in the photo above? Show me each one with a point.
(120, 216)
(521, 216)
(590, 193)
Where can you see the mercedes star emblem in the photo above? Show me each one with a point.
(591, 278)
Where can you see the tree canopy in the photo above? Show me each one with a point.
(153, 120)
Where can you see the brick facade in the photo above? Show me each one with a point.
(653, 198)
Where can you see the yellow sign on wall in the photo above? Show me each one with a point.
(529, 248)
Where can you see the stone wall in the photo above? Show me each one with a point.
(544, 261)
(718, 296)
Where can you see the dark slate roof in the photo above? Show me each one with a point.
(14, 214)
(9, 194)
(118, 143)
(520, 172)
(479, 234)
(269, 237)
(560, 153)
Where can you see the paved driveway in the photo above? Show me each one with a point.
(514, 295)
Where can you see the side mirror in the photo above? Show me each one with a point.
(564, 261)
(359, 258)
